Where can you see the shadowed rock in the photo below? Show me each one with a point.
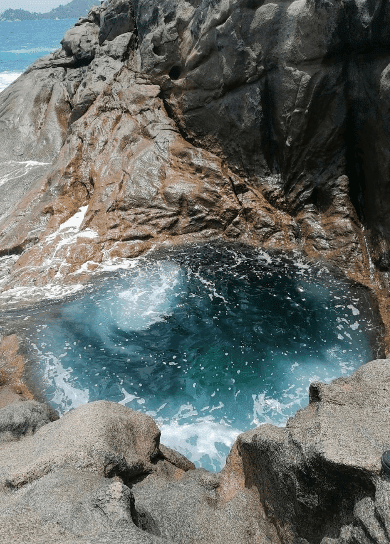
(22, 419)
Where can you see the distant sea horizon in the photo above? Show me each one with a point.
(23, 42)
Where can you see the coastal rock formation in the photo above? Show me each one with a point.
(172, 122)
(184, 121)
(100, 473)
(319, 479)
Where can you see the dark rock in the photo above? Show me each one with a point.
(22, 419)
(115, 20)
(81, 42)
(176, 458)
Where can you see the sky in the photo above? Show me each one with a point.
(39, 6)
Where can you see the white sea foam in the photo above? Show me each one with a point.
(68, 233)
(205, 442)
(354, 310)
(151, 296)
(72, 226)
(6, 78)
(66, 396)
(29, 51)
(50, 291)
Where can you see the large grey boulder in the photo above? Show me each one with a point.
(192, 507)
(322, 472)
(103, 437)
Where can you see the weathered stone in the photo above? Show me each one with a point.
(176, 458)
(81, 42)
(323, 470)
(23, 419)
(103, 437)
(116, 19)
(84, 506)
(243, 83)
(187, 507)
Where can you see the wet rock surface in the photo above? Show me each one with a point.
(189, 121)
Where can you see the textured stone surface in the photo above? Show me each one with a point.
(99, 474)
(22, 419)
(70, 506)
(103, 437)
(322, 472)
(178, 121)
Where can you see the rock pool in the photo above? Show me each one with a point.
(208, 340)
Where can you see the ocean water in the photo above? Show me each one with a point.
(210, 341)
(22, 42)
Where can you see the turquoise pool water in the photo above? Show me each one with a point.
(210, 341)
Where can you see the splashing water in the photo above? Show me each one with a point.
(209, 341)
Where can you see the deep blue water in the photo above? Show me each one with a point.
(22, 42)
(208, 341)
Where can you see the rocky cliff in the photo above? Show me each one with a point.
(179, 121)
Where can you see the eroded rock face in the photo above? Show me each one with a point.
(182, 121)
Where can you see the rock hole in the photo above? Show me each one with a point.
(321, 199)
(143, 520)
(169, 17)
(174, 72)
(158, 50)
